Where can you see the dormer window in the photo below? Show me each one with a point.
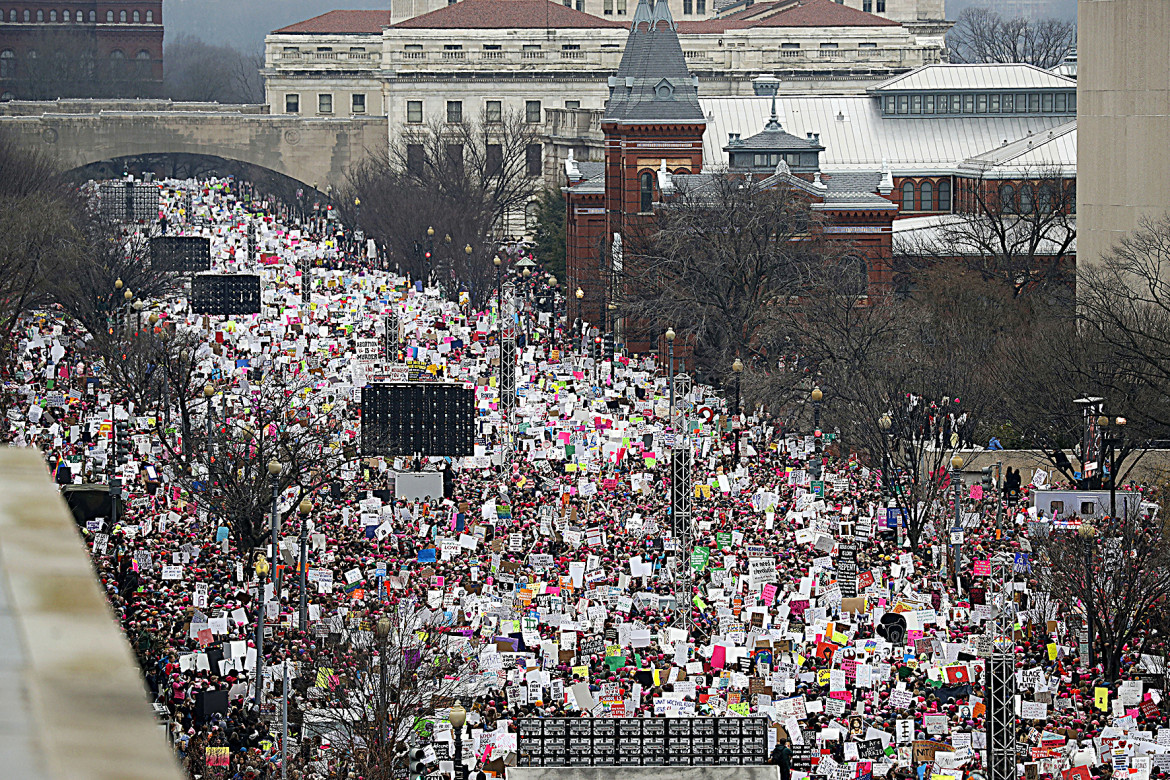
(664, 90)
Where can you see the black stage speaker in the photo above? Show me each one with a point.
(419, 417)
(128, 202)
(87, 502)
(185, 254)
(225, 294)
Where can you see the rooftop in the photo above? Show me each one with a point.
(786, 13)
(512, 14)
(1054, 150)
(857, 137)
(974, 77)
(340, 23)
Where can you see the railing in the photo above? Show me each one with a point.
(532, 55)
(414, 55)
(454, 55)
(492, 55)
(572, 55)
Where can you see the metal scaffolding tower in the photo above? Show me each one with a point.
(391, 338)
(508, 359)
(682, 496)
(1000, 684)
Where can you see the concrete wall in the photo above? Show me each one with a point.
(311, 151)
(1123, 119)
(72, 700)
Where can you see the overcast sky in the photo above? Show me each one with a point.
(244, 23)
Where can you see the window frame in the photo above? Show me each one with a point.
(410, 106)
(322, 98)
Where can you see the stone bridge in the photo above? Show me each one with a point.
(79, 133)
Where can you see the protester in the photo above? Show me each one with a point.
(551, 559)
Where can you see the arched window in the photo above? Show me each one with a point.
(12, 15)
(26, 15)
(647, 192)
(944, 195)
(7, 64)
(117, 63)
(1026, 199)
(122, 17)
(40, 16)
(53, 15)
(137, 17)
(149, 17)
(109, 16)
(1007, 199)
(142, 64)
(92, 16)
(927, 195)
(908, 196)
(66, 16)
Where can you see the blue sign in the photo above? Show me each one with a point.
(1021, 564)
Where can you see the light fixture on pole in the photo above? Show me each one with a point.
(304, 509)
(737, 369)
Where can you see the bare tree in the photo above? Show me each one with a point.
(220, 452)
(718, 263)
(380, 681)
(900, 379)
(982, 35)
(445, 187)
(1022, 233)
(199, 71)
(1119, 572)
(1125, 300)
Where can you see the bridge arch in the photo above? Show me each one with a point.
(305, 149)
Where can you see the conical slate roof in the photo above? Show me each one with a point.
(652, 83)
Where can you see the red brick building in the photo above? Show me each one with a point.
(653, 127)
(80, 48)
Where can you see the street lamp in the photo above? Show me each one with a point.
(1112, 440)
(382, 633)
(737, 369)
(274, 470)
(208, 392)
(262, 569)
(885, 423)
(304, 509)
(956, 478)
(670, 351)
(458, 717)
(1088, 533)
(816, 395)
(138, 306)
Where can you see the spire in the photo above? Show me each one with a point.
(774, 122)
(653, 83)
(661, 13)
(642, 14)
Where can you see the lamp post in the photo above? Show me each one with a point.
(262, 570)
(208, 393)
(458, 717)
(886, 423)
(1112, 440)
(274, 470)
(138, 306)
(737, 369)
(1088, 533)
(816, 395)
(670, 350)
(580, 295)
(957, 482)
(304, 509)
(382, 633)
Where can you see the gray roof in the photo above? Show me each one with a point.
(773, 138)
(856, 135)
(652, 82)
(1051, 153)
(974, 77)
(593, 175)
(855, 189)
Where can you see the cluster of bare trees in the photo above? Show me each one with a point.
(445, 187)
(200, 71)
(982, 35)
(55, 252)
